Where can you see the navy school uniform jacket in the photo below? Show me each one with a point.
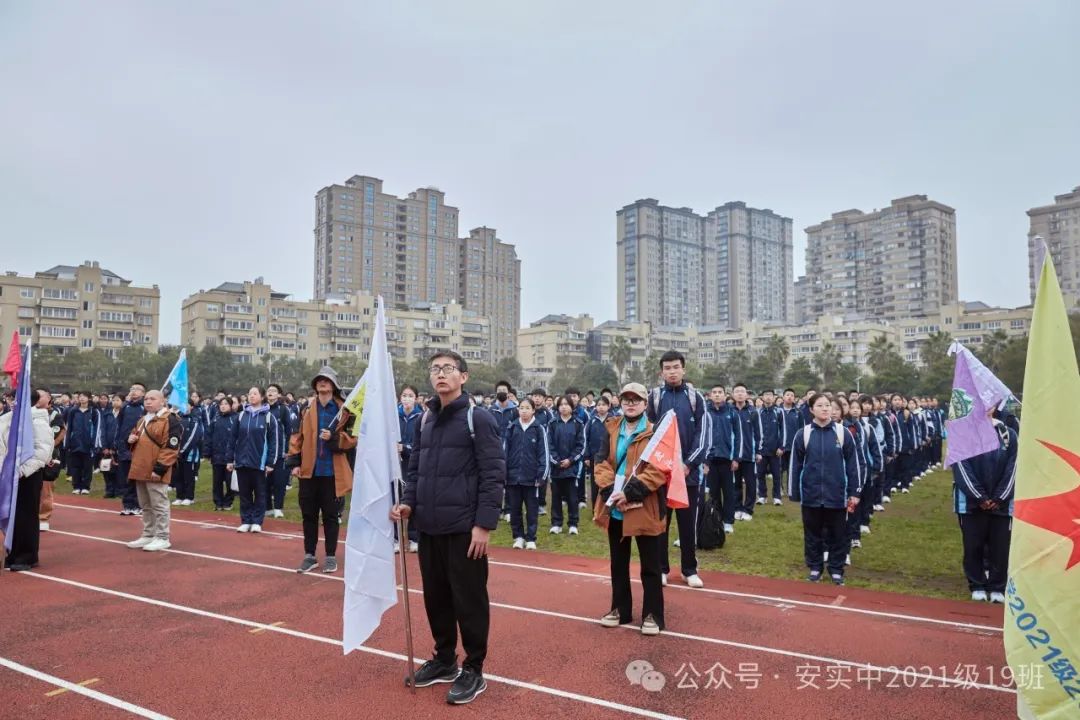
(806, 413)
(526, 454)
(791, 423)
(219, 438)
(191, 443)
(284, 419)
(255, 439)
(751, 432)
(130, 414)
(875, 444)
(595, 435)
(906, 437)
(888, 424)
(771, 429)
(694, 431)
(106, 429)
(823, 471)
(566, 441)
(544, 416)
(407, 426)
(990, 476)
(725, 431)
(862, 457)
(455, 479)
(82, 430)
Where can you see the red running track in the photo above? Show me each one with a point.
(222, 628)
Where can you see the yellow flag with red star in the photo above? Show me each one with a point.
(1042, 611)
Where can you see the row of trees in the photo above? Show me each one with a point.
(212, 368)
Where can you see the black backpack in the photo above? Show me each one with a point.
(711, 528)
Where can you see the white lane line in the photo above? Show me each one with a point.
(599, 702)
(907, 671)
(771, 599)
(84, 691)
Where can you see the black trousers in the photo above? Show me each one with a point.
(649, 554)
(905, 469)
(319, 494)
(221, 486)
(687, 519)
(746, 486)
(124, 488)
(184, 475)
(825, 529)
(455, 596)
(986, 542)
(721, 483)
(81, 469)
(523, 526)
(771, 464)
(564, 490)
(25, 535)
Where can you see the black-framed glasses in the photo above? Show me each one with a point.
(436, 370)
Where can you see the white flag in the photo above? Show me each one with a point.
(370, 582)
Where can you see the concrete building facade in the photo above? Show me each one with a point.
(1059, 226)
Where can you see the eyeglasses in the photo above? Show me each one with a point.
(436, 370)
(631, 400)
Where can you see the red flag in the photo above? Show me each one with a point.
(664, 452)
(13, 363)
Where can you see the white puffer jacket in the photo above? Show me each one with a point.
(43, 441)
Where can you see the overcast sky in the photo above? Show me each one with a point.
(183, 144)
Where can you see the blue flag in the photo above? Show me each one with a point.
(178, 384)
(20, 448)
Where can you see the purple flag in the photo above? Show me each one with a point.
(976, 391)
(20, 448)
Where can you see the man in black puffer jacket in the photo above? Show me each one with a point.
(454, 496)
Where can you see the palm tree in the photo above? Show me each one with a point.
(993, 346)
(619, 354)
(777, 351)
(878, 354)
(827, 362)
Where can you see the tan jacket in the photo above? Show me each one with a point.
(646, 519)
(156, 450)
(304, 447)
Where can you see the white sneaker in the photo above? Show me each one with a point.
(905, 491)
(256, 528)
(979, 596)
(747, 517)
(729, 528)
(777, 502)
(279, 513)
(885, 499)
(582, 505)
(140, 543)
(244, 528)
(879, 508)
(542, 510)
(997, 598)
(864, 529)
(177, 502)
(694, 581)
(43, 526)
(847, 560)
(414, 547)
(856, 543)
(530, 545)
(189, 501)
(397, 548)
(760, 501)
(738, 514)
(573, 530)
(519, 543)
(677, 543)
(157, 544)
(506, 517)
(555, 529)
(663, 579)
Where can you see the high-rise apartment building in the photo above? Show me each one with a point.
(1059, 226)
(408, 250)
(86, 307)
(755, 266)
(678, 268)
(889, 264)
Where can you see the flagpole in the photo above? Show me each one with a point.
(402, 546)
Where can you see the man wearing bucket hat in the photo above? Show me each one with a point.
(318, 456)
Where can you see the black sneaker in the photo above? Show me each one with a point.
(434, 671)
(814, 576)
(837, 579)
(468, 685)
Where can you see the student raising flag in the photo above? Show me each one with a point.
(1042, 635)
(976, 391)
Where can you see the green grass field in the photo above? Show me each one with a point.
(914, 547)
